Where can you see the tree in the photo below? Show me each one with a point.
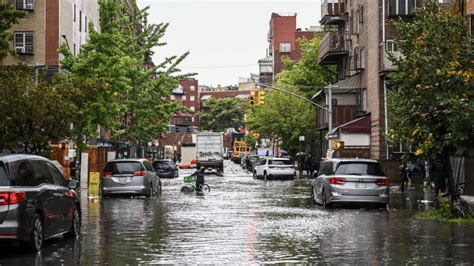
(33, 114)
(285, 116)
(220, 114)
(431, 96)
(131, 103)
(9, 16)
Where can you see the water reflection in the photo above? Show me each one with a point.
(248, 221)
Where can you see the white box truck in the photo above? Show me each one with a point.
(210, 150)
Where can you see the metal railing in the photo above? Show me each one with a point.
(334, 41)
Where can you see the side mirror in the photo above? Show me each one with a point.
(72, 184)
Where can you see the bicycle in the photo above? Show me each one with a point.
(190, 186)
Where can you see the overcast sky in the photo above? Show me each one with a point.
(226, 38)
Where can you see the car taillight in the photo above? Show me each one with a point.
(7, 198)
(337, 180)
(107, 174)
(383, 182)
(139, 173)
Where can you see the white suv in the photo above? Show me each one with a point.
(274, 168)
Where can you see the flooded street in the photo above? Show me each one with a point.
(247, 221)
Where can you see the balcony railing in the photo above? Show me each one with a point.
(332, 8)
(386, 64)
(333, 43)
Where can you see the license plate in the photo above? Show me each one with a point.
(123, 180)
(360, 185)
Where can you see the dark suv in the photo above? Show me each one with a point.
(36, 202)
(165, 168)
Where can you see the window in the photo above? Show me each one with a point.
(123, 168)
(25, 4)
(401, 7)
(285, 47)
(4, 181)
(57, 176)
(279, 162)
(327, 168)
(192, 109)
(183, 98)
(192, 88)
(74, 47)
(41, 173)
(80, 20)
(74, 14)
(23, 42)
(362, 168)
(172, 97)
(391, 46)
(191, 98)
(85, 24)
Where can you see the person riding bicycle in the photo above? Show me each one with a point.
(199, 178)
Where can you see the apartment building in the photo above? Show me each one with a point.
(47, 25)
(282, 42)
(187, 94)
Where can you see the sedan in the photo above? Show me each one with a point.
(350, 181)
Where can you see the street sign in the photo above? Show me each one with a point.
(332, 136)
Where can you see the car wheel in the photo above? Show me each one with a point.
(76, 224)
(265, 176)
(324, 199)
(150, 191)
(206, 188)
(313, 198)
(254, 175)
(37, 234)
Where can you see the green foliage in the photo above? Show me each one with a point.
(220, 114)
(131, 103)
(32, 114)
(9, 16)
(443, 213)
(285, 116)
(431, 97)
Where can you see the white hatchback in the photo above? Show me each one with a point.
(274, 168)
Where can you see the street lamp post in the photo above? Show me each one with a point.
(329, 109)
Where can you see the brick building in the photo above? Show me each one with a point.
(282, 41)
(188, 95)
(47, 25)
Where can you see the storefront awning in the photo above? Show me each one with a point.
(358, 125)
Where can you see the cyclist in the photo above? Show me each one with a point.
(199, 178)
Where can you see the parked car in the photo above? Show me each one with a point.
(129, 177)
(165, 168)
(350, 181)
(36, 201)
(274, 168)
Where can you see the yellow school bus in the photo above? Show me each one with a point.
(240, 148)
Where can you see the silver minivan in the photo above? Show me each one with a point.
(129, 177)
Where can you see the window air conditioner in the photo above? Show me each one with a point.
(29, 6)
(20, 50)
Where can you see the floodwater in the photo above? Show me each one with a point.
(247, 221)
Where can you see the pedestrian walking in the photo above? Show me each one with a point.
(309, 164)
(403, 176)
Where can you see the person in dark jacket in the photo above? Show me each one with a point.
(199, 174)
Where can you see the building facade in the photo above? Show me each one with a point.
(47, 25)
(187, 94)
(282, 42)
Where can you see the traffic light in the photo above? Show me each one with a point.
(337, 144)
(252, 97)
(261, 97)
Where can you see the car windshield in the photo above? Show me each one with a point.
(279, 162)
(4, 181)
(161, 163)
(359, 168)
(123, 168)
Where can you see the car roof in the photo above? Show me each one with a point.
(16, 157)
(127, 160)
(338, 160)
